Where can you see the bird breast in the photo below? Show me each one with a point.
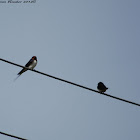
(33, 64)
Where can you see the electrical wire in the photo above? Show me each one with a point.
(9, 135)
(117, 98)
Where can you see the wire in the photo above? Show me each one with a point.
(117, 98)
(12, 136)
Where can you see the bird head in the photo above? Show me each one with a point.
(34, 58)
(100, 83)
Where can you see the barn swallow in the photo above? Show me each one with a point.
(101, 87)
(31, 64)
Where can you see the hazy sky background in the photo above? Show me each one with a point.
(83, 41)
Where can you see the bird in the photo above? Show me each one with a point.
(101, 87)
(31, 64)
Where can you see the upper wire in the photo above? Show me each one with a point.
(78, 85)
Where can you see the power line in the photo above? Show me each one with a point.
(117, 98)
(9, 135)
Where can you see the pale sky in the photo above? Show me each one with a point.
(83, 41)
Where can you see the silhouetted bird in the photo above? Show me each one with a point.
(101, 87)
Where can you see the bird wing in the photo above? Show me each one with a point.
(27, 65)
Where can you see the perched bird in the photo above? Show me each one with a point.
(101, 87)
(31, 64)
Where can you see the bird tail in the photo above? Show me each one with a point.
(23, 70)
(16, 78)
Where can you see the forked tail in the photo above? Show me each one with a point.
(16, 78)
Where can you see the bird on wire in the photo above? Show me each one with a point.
(31, 64)
(101, 87)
